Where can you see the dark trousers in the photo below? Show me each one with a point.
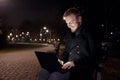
(81, 74)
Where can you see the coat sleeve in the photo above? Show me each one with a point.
(65, 53)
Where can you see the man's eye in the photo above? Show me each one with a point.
(72, 22)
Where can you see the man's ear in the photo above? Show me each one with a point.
(80, 19)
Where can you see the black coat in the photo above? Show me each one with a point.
(83, 49)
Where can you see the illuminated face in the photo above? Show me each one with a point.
(73, 22)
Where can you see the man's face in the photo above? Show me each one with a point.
(73, 22)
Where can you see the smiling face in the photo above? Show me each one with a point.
(73, 22)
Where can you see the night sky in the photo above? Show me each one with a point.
(38, 13)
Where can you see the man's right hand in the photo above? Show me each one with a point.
(68, 65)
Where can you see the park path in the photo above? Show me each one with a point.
(21, 65)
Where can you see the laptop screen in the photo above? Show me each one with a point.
(48, 61)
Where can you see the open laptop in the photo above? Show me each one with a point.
(49, 61)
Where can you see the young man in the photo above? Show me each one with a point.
(81, 55)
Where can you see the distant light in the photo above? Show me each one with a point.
(43, 39)
(13, 39)
(102, 25)
(11, 34)
(51, 39)
(8, 37)
(40, 34)
(111, 33)
(58, 39)
(30, 39)
(22, 32)
(47, 31)
(35, 39)
(16, 35)
(40, 40)
(27, 32)
(63, 18)
(44, 28)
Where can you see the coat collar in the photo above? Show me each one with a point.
(78, 31)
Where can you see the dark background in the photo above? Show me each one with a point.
(31, 15)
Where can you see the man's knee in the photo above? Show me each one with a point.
(43, 74)
(55, 76)
(59, 76)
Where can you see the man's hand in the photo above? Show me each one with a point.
(68, 65)
(61, 62)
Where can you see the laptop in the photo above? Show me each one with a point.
(49, 61)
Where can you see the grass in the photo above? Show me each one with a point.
(111, 69)
(20, 46)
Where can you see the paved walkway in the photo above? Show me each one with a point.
(23, 65)
(20, 65)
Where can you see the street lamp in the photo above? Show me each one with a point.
(44, 28)
(23, 33)
(27, 33)
(47, 31)
(11, 34)
(40, 34)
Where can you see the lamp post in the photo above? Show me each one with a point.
(45, 34)
(44, 28)
(50, 36)
(42, 33)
